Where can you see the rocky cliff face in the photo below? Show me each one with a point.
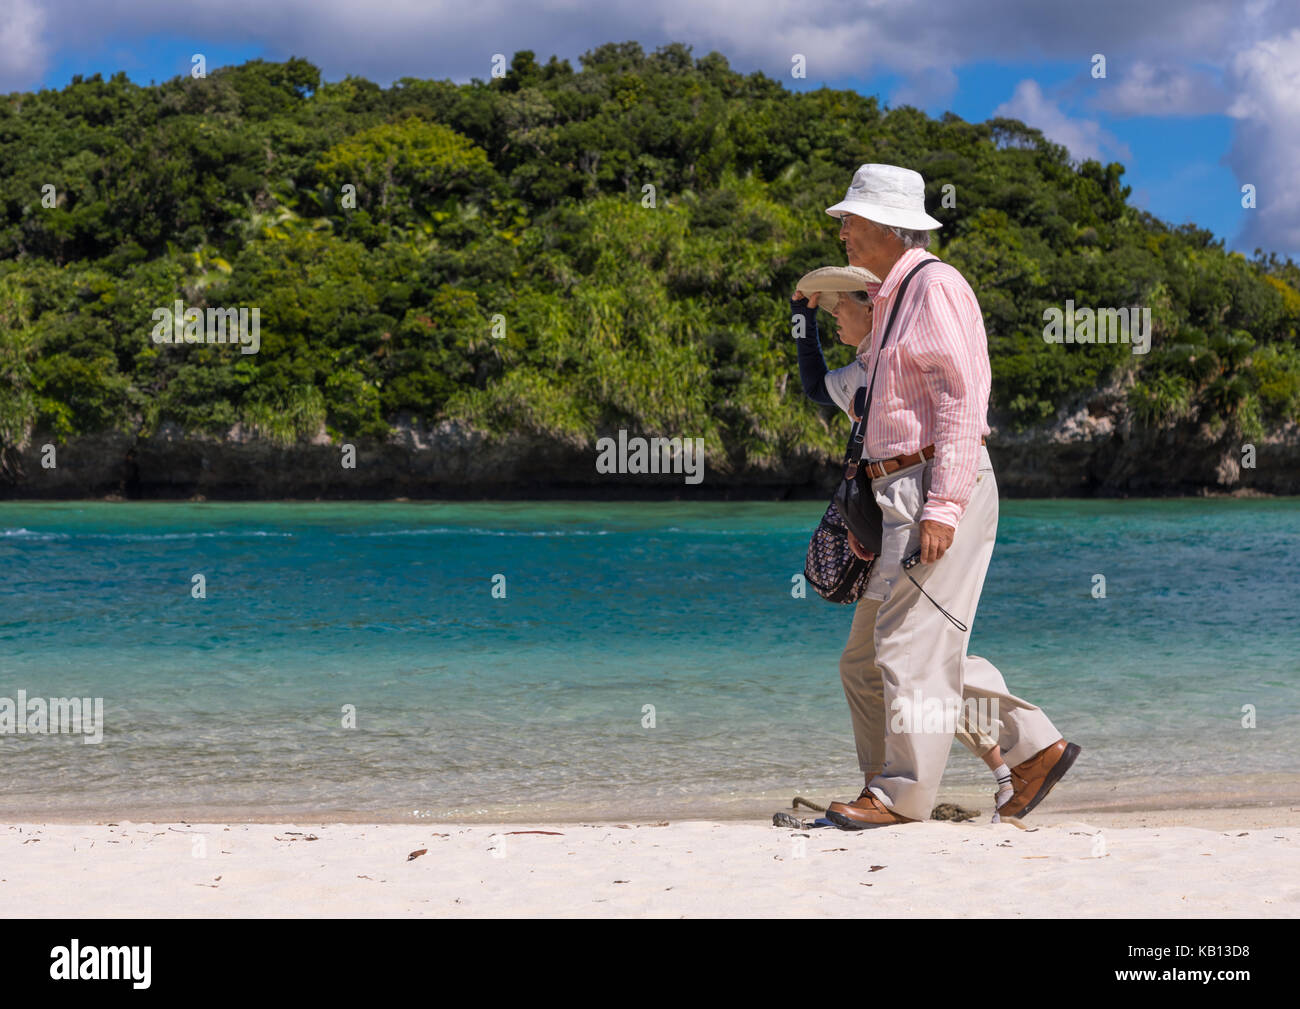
(1094, 451)
(1097, 450)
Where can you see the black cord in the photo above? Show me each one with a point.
(955, 622)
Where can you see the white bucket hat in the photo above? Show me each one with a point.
(831, 281)
(889, 195)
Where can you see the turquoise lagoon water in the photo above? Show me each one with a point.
(469, 706)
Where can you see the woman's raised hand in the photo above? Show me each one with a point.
(812, 298)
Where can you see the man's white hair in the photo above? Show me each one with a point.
(910, 239)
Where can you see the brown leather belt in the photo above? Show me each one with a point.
(884, 467)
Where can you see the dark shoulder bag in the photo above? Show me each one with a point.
(831, 567)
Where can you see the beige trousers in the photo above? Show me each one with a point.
(921, 657)
(865, 691)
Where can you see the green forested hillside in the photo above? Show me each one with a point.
(523, 197)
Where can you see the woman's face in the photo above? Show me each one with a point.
(852, 319)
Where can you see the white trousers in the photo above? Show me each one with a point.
(922, 655)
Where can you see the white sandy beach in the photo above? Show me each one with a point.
(1241, 863)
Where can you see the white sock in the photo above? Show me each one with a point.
(1005, 791)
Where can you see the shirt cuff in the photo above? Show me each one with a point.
(939, 510)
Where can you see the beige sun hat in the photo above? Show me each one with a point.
(887, 194)
(830, 281)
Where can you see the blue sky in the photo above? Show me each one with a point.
(1200, 96)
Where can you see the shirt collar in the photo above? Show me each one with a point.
(906, 261)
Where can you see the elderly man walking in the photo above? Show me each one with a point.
(932, 477)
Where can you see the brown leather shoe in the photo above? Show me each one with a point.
(1034, 778)
(863, 812)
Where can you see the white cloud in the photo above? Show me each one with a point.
(1084, 138)
(1266, 148)
(23, 52)
(1148, 90)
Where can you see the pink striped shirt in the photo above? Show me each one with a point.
(933, 383)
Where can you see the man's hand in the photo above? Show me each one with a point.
(812, 298)
(857, 547)
(936, 537)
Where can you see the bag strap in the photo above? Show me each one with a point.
(862, 398)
